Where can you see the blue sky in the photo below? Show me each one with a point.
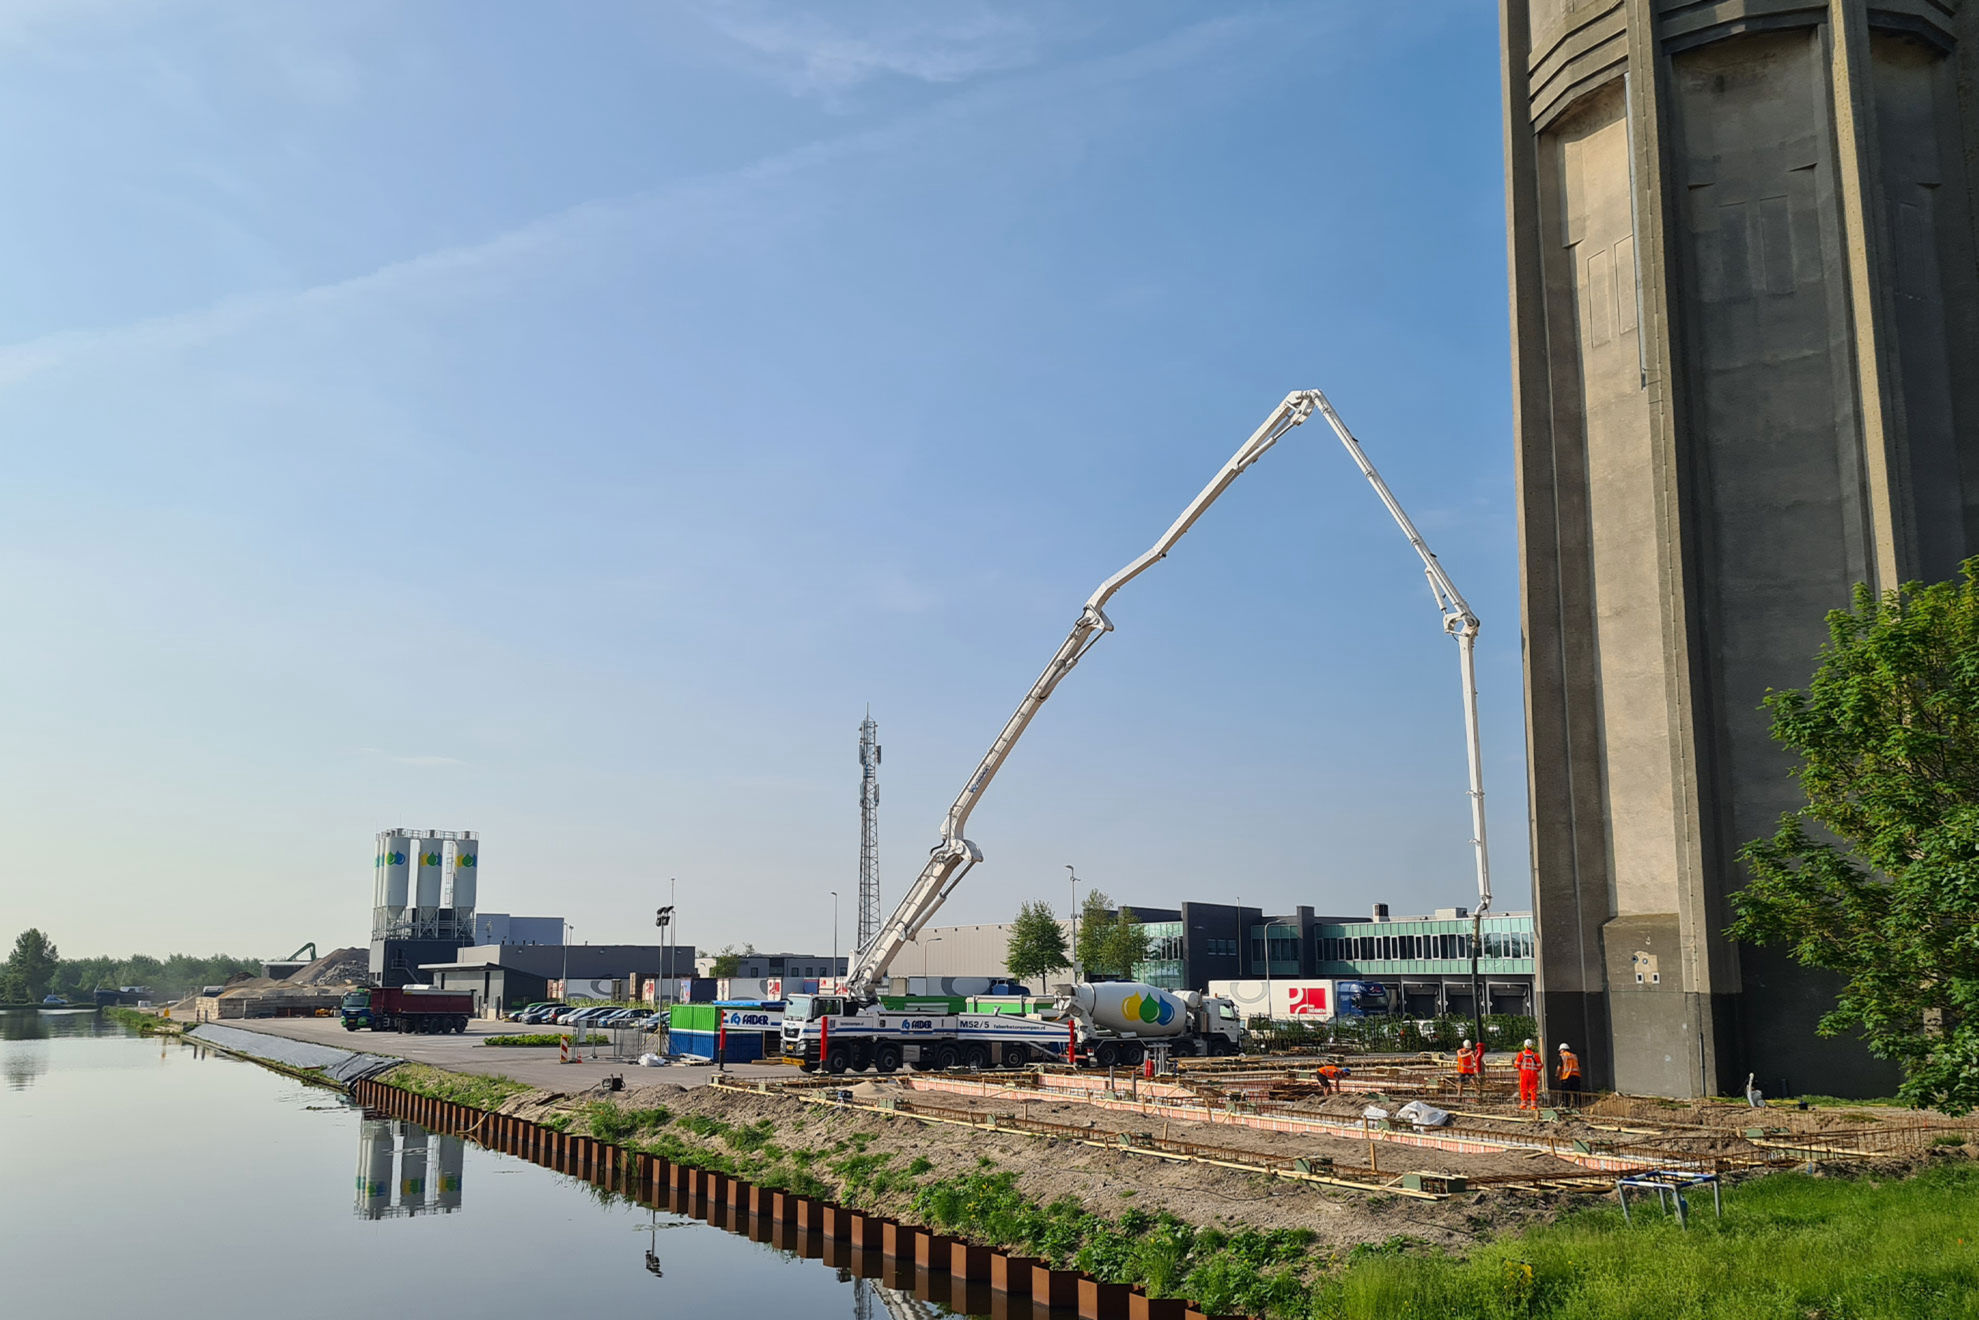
(451, 416)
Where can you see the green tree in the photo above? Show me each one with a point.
(1128, 944)
(729, 963)
(1877, 877)
(1095, 928)
(32, 964)
(1037, 943)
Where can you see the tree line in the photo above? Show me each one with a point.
(35, 969)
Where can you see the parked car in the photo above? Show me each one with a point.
(542, 1012)
(57, 1000)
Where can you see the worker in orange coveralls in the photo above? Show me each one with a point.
(1530, 1067)
(1330, 1075)
(1470, 1064)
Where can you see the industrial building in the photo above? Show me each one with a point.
(501, 928)
(795, 966)
(1743, 276)
(1424, 961)
(508, 976)
(423, 895)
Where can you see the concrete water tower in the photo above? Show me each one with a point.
(1743, 274)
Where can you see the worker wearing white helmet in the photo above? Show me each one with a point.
(1470, 1067)
(1530, 1068)
(1569, 1079)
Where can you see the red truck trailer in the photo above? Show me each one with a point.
(408, 1009)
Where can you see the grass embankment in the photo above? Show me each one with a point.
(461, 1088)
(1790, 1247)
(545, 1038)
(144, 1024)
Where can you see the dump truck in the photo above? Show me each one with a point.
(408, 1009)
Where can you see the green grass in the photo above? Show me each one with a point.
(619, 1126)
(545, 1038)
(462, 1088)
(1790, 1248)
(144, 1024)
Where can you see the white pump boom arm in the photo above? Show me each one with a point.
(951, 859)
(1458, 621)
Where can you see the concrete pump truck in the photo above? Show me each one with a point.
(1104, 1023)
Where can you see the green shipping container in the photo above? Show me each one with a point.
(693, 1017)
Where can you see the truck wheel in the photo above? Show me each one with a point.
(1106, 1054)
(945, 1056)
(836, 1062)
(887, 1058)
(808, 1065)
(862, 1058)
(460, 1026)
(1131, 1054)
(1013, 1056)
(976, 1057)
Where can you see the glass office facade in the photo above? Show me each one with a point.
(1422, 947)
(1166, 965)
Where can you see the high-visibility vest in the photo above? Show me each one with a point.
(1329, 1070)
(1466, 1061)
(1569, 1065)
(1529, 1061)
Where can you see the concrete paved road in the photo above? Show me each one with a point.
(535, 1065)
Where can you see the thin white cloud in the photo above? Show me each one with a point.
(724, 196)
(819, 52)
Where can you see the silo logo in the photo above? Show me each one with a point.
(429, 859)
(390, 859)
(463, 859)
(1148, 1008)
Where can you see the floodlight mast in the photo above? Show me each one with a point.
(952, 858)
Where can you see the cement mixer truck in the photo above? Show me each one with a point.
(1118, 1020)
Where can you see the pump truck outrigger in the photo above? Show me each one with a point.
(1108, 1022)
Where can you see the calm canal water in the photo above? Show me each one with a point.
(150, 1178)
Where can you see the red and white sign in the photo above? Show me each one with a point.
(773, 987)
(1309, 999)
(1281, 1000)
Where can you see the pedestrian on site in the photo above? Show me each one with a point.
(1568, 1076)
(1329, 1077)
(1531, 1067)
(1470, 1066)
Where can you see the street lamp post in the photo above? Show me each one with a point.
(567, 929)
(932, 939)
(1075, 924)
(834, 934)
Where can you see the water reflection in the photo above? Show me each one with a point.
(429, 1166)
(22, 1060)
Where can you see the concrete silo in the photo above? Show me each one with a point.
(423, 901)
(393, 864)
(458, 867)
